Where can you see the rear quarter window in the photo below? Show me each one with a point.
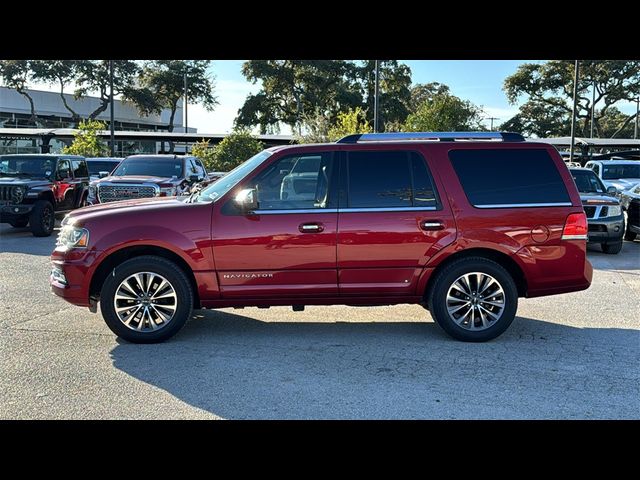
(509, 177)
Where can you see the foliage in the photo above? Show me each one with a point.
(294, 91)
(425, 92)
(395, 93)
(205, 152)
(86, 141)
(57, 72)
(17, 74)
(315, 129)
(349, 122)
(234, 149)
(548, 90)
(445, 112)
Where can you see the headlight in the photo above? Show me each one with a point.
(73, 237)
(17, 194)
(614, 211)
(168, 192)
(92, 191)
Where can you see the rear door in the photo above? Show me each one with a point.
(64, 185)
(391, 221)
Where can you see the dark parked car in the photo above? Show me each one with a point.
(145, 176)
(35, 188)
(630, 200)
(604, 213)
(100, 167)
(463, 228)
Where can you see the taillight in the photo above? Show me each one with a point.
(575, 228)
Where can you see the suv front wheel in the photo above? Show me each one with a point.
(473, 299)
(146, 299)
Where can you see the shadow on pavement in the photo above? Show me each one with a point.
(21, 240)
(237, 367)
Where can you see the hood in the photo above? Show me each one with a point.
(137, 179)
(596, 199)
(23, 181)
(621, 183)
(137, 206)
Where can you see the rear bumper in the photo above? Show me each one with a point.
(606, 230)
(550, 270)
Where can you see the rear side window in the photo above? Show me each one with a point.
(390, 179)
(509, 177)
(79, 168)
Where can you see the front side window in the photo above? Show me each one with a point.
(64, 169)
(509, 177)
(389, 179)
(294, 182)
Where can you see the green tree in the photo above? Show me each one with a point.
(349, 122)
(425, 92)
(92, 76)
(205, 152)
(17, 74)
(61, 73)
(234, 149)
(86, 141)
(394, 94)
(163, 80)
(294, 89)
(445, 113)
(548, 90)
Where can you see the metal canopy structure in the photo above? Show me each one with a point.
(590, 142)
(47, 134)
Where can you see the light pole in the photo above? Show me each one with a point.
(376, 100)
(593, 105)
(635, 130)
(492, 119)
(186, 99)
(576, 74)
(113, 142)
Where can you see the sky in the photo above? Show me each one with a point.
(479, 81)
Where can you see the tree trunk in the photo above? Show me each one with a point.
(624, 124)
(74, 115)
(174, 107)
(33, 118)
(104, 104)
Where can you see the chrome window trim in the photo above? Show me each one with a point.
(525, 205)
(345, 210)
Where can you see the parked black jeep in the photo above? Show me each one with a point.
(34, 189)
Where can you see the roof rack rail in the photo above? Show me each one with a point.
(440, 136)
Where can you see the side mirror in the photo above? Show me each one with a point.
(612, 190)
(194, 178)
(247, 200)
(103, 174)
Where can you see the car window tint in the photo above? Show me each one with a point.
(503, 177)
(424, 194)
(79, 168)
(379, 179)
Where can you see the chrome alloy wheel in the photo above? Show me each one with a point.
(145, 301)
(475, 301)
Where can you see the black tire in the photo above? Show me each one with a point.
(612, 248)
(158, 265)
(444, 279)
(629, 235)
(20, 223)
(42, 219)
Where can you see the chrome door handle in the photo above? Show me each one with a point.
(431, 225)
(311, 227)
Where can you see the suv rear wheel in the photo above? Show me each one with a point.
(473, 299)
(146, 299)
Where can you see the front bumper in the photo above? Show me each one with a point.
(606, 230)
(71, 270)
(11, 212)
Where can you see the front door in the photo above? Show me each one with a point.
(286, 247)
(64, 186)
(391, 221)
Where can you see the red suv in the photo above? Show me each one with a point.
(461, 223)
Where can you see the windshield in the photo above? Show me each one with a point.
(587, 181)
(231, 179)
(97, 166)
(151, 166)
(32, 166)
(610, 172)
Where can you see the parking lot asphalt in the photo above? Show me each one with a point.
(567, 356)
